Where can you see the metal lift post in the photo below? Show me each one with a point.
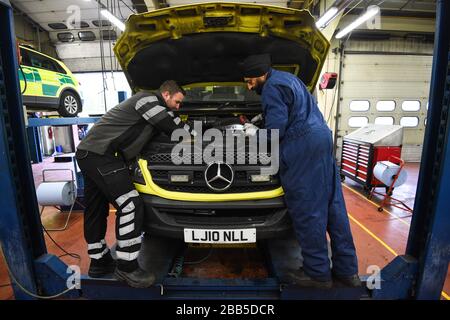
(21, 235)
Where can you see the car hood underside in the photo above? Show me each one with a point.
(205, 43)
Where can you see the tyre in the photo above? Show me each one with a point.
(69, 104)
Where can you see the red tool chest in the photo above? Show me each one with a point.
(363, 148)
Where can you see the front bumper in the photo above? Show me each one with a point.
(169, 217)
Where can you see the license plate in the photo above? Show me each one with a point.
(220, 235)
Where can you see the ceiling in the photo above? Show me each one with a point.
(96, 53)
(405, 8)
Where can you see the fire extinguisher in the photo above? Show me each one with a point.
(50, 132)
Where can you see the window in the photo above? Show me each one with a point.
(103, 23)
(359, 105)
(409, 121)
(86, 36)
(65, 37)
(384, 120)
(57, 26)
(388, 105)
(356, 122)
(108, 34)
(80, 24)
(59, 68)
(411, 105)
(42, 62)
(25, 57)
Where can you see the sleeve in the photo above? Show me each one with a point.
(276, 102)
(158, 116)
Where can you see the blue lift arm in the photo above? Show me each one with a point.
(20, 230)
(21, 234)
(429, 237)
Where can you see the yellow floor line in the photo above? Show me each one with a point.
(373, 235)
(384, 244)
(377, 205)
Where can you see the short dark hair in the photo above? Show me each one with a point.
(172, 87)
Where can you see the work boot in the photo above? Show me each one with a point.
(349, 281)
(138, 278)
(301, 279)
(101, 267)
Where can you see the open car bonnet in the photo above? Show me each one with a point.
(205, 43)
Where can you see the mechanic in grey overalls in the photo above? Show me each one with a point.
(115, 139)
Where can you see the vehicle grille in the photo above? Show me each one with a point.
(196, 158)
(219, 216)
(241, 182)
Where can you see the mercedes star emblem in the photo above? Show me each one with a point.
(219, 176)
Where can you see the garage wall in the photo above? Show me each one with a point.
(26, 33)
(86, 57)
(92, 91)
(394, 74)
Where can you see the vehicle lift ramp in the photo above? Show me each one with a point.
(418, 274)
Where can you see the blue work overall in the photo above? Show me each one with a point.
(309, 177)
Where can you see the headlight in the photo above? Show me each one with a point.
(259, 178)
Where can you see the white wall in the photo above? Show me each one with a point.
(92, 91)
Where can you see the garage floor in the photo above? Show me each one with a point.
(379, 237)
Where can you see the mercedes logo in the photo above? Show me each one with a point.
(219, 176)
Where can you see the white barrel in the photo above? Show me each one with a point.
(385, 171)
(56, 193)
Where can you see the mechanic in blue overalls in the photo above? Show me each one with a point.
(308, 174)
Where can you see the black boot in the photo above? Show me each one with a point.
(301, 279)
(138, 278)
(101, 267)
(349, 281)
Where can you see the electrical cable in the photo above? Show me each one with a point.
(120, 10)
(351, 9)
(102, 55)
(132, 10)
(24, 79)
(13, 278)
(71, 254)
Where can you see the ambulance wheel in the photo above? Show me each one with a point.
(69, 104)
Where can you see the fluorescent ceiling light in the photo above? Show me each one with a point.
(371, 12)
(113, 19)
(326, 17)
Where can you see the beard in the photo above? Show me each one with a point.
(259, 87)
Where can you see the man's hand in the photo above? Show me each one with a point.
(250, 129)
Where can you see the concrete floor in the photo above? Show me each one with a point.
(378, 236)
